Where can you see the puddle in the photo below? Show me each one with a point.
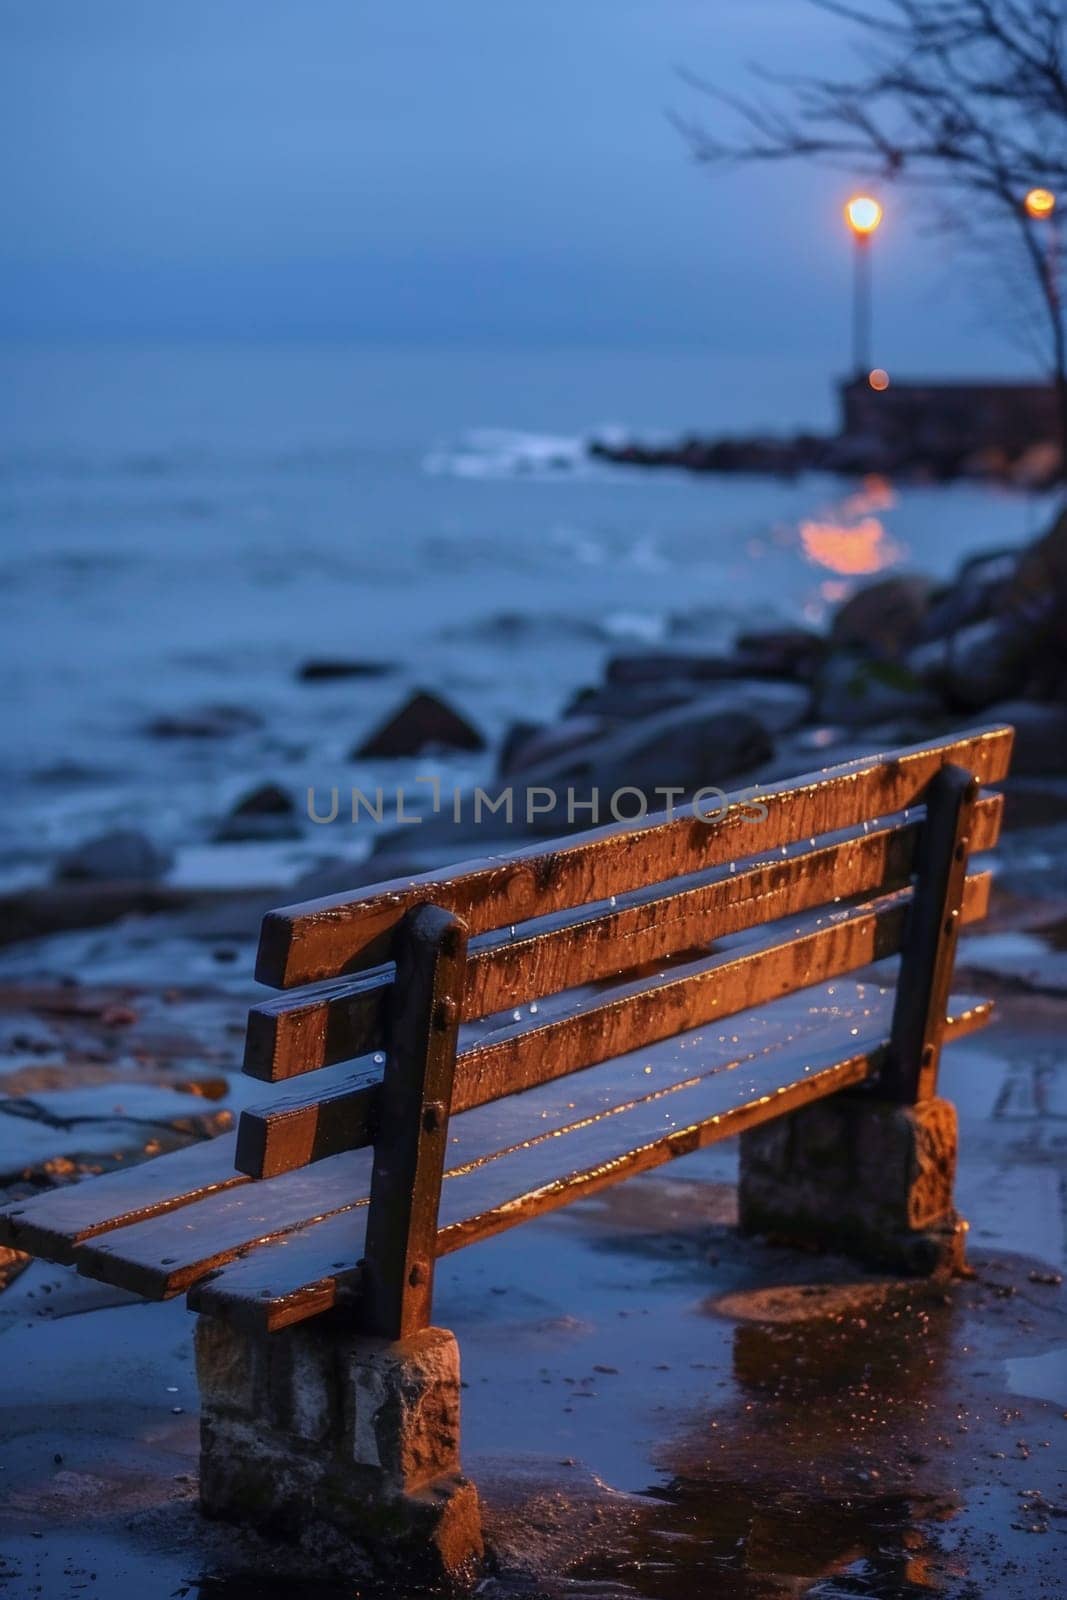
(1043, 1377)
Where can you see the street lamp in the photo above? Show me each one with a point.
(863, 215)
(1040, 206)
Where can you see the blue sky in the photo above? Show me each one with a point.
(481, 171)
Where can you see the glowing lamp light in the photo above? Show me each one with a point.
(878, 379)
(1039, 204)
(863, 214)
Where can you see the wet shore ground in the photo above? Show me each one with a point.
(654, 1406)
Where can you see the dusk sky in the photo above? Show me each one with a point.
(481, 172)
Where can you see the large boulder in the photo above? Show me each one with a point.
(1037, 599)
(779, 705)
(122, 855)
(987, 661)
(854, 690)
(536, 746)
(697, 746)
(780, 653)
(622, 702)
(977, 591)
(884, 618)
(268, 812)
(424, 723)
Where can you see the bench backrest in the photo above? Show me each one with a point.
(387, 972)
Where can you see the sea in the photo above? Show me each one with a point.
(181, 526)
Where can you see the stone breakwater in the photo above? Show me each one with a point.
(915, 459)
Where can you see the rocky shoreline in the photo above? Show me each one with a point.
(848, 454)
(904, 659)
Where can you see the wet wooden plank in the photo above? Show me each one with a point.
(165, 1254)
(327, 938)
(293, 1034)
(311, 1271)
(289, 1132)
(54, 1223)
(290, 1279)
(626, 1018)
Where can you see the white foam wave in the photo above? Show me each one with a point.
(509, 453)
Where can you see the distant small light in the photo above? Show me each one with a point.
(878, 379)
(1040, 203)
(863, 214)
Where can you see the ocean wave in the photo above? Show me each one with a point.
(508, 453)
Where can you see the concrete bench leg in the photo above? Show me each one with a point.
(868, 1178)
(315, 1431)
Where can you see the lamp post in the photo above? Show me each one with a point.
(1040, 206)
(863, 214)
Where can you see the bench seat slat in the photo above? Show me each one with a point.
(324, 939)
(501, 1192)
(52, 1224)
(164, 1255)
(507, 1160)
(276, 1137)
(302, 1258)
(347, 1018)
(288, 1280)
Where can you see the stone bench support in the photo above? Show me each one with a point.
(314, 1429)
(869, 1178)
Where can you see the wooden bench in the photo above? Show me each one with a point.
(438, 1016)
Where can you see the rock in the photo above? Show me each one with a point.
(268, 812)
(206, 722)
(990, 566)
(122, 855)
(854, 690)
(514, 738)
(531, 745)
(666, 667)
(885, 618)
(987, 661)
(424, 723)
(695, 746)
(1040, 748)
(617, 702)
(781, 652)
(322, 670)
(976, 592)
(779, 706)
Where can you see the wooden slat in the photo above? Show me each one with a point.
(502, 1191)
(311, 1270)
(54, 1223)
(326, 938)
(283, 1135)
(164, 1255)
(630, 1016)
(293, 1034)
(298, 1276)
(298, 1264)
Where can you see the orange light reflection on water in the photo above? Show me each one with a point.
(851, 540)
